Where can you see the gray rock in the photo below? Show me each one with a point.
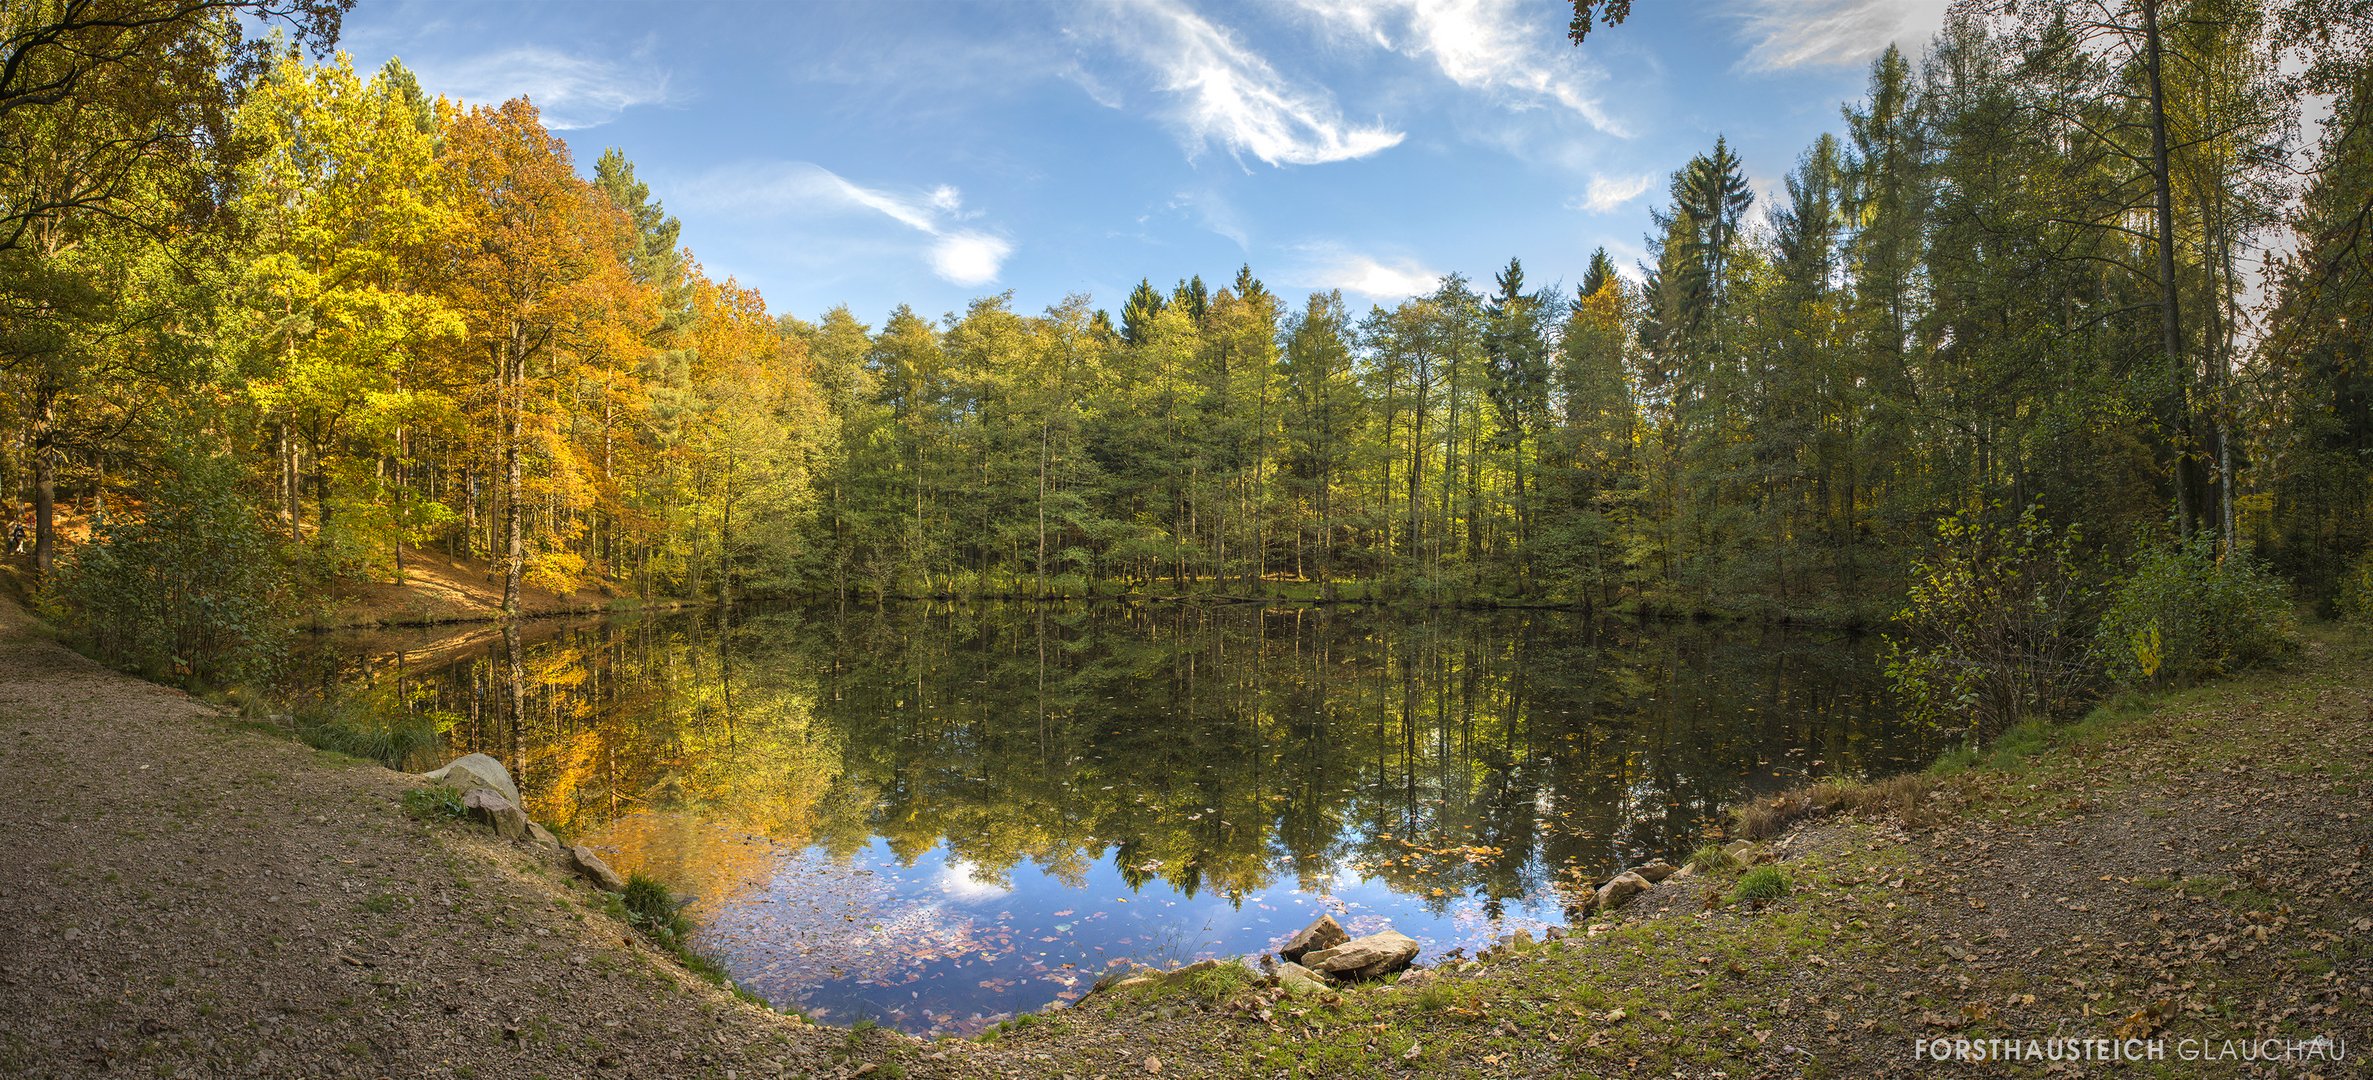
(1619, 892)
(595, 870)
(477, 772)
(1370, 957)
(1298, 980)
(501, 814)
(1655, 872)
(1325, 933)
(542, 835)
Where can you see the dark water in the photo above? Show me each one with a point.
(938, 818)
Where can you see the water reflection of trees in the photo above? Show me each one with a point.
(1215, 748)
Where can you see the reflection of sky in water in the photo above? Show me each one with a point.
(1075, 789)
(934, 948)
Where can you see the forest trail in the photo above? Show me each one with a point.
(187, 898)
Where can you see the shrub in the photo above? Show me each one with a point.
(2356, 590)
(1993, 631)
(190, 589)
(2183, 614)
(1761, 883)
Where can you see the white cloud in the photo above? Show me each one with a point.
(1331, 267)
(1605, 193)
(1231, 96)
(962, 881)
(1498, 47)
(967, 257)
(570, 92)
(1783, 34)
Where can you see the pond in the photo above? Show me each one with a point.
(938, 817)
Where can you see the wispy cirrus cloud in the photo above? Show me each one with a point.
(570, 91)
(1331, 266)
(1230, 96)
(1784, 34)
(959, 254)
(1502, 48)
(1606, 193)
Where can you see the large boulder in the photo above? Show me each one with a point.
(502, 815)
(1326, 933)
(595, 870)
(1655, 871)
(477, 772)
(1616, 893)
(1370, 957)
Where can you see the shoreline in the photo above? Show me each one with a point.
(2003, 901)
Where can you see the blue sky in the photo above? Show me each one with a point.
(928, 153)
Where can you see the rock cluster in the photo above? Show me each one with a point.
(1322, 955)
(1627, 886)
(490, 798)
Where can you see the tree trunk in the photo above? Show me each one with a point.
(45, 475)
(2170, 321)
(515, 550)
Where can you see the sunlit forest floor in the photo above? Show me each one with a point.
(187, 897)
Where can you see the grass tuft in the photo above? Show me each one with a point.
(1761, 883)
(1713, 858)
(355, 730)
(435, 803)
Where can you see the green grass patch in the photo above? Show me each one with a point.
(1017, 1023)
(356, 730)
(434, 803)
(1761, 883)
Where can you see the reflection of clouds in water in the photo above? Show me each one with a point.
(960, 881)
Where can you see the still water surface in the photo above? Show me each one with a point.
(935, 818)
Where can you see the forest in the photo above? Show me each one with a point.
(2072, 291)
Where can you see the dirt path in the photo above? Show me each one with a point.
(183, 898)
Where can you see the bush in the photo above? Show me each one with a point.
(2184, 614)
(2356, 591)
(1993, 632)
(190, 589)
(1761, 883)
